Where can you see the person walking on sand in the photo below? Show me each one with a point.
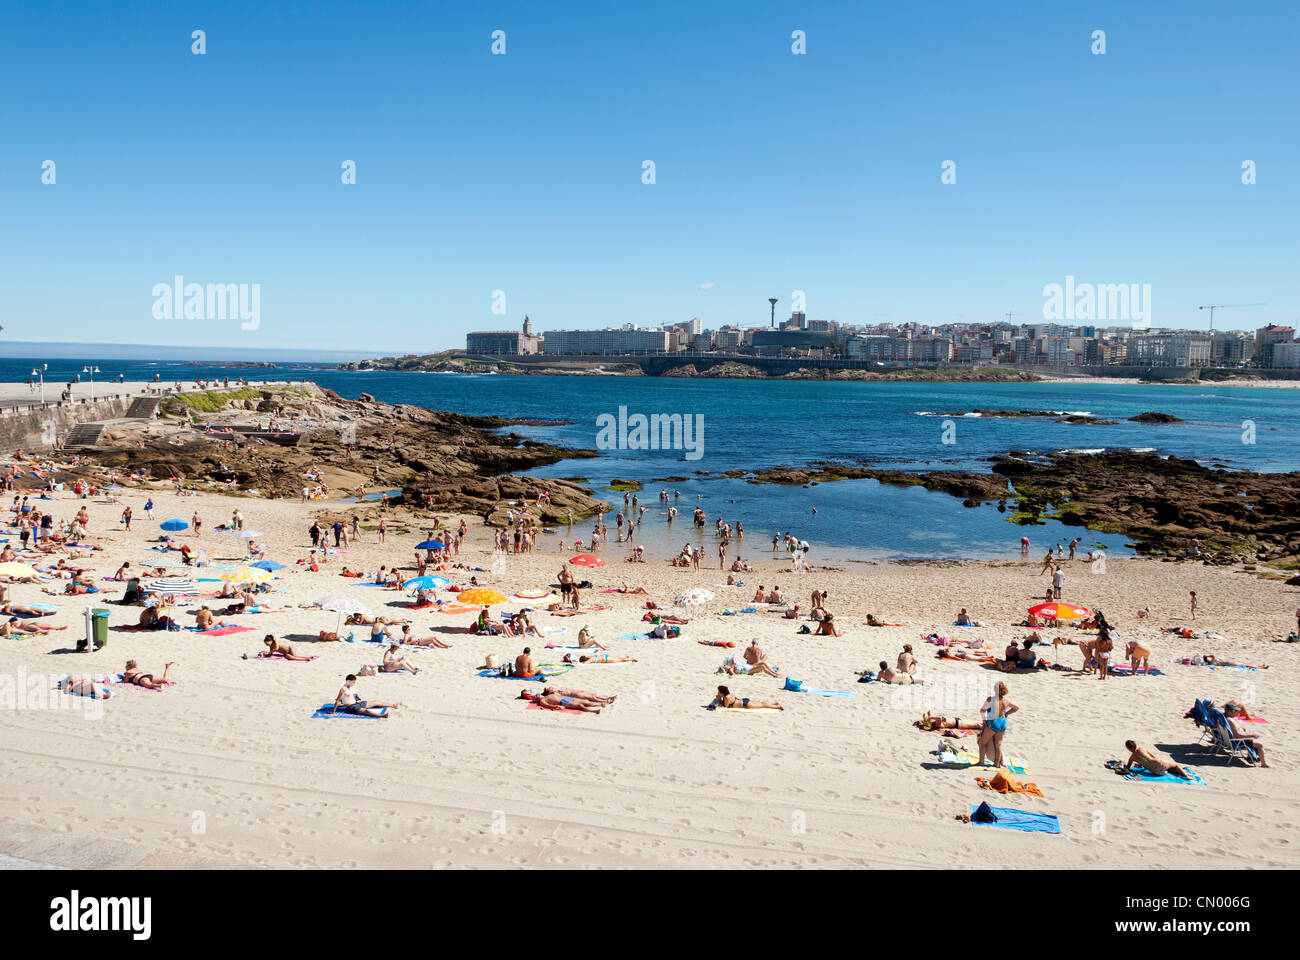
(1058, 582)
(197, 522)
(1193, 593)
(995, 711)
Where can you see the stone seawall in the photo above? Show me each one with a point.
(35, 427)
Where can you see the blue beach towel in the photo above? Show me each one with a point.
(1148, 777)
(843, 694)
(1021, 820)
(327, 712)
(540, 678)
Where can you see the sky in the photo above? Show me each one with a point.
(774, 172)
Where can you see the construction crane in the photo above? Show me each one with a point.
(1221, 306)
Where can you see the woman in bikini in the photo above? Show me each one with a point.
(276, 647)
(605, 658)
(393, 663)
(430, 641)
(934, 722)
(1149, 762)
(726, 699)
(134, 675)
(626, 589)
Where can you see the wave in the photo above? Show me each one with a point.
(1142, 449)
(1087, 450)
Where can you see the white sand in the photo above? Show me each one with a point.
(227, 769)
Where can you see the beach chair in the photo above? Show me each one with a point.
(1200, 714)
(1230, 746)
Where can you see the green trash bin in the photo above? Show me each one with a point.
(99, 627)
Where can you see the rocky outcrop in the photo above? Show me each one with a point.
(1152, 416)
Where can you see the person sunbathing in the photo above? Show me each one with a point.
(792, 613)
(522, 626)
(411, 640)
(15, 626)
(958, 651)
(580, 695)
(1148, 761)
(1212, 660)
(1231, 712)
(393, 663)
(757, 660)
(774, 596)
(664, 631)
(665, 618)
(724, 698)
(23, 610)
(733, 669)
(931, 721)
(204, 619)
(906, 660)
(586, 639)
(485, 625)
(873, 622)
(604, 658)
(137, 677)
(555, 701)
(276, 647)
(624, 589)
(963, 619)
(826, 628)
(361, 620)
(349, 702)
(889, 675)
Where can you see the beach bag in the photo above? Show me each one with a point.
(491, 662)
(984, 814)
(804, 629)
(795, 685)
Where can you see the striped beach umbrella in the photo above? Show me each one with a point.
(1060, 611)
(587, 560)
(175, 586)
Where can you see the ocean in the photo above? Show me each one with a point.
(751, 424)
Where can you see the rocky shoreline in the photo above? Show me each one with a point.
(441, 461)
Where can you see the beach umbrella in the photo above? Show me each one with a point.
(246, 575)
(426, 583)
(267, 565)
(538, 597)
(587, 560)
(430, 545)
(693, 597)
(1060, 611)
(174, 524)
(177, 586)
(342, 605)
(481, 597)
(14, 569)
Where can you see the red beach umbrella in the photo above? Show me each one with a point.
(1060, 611)
(587, 560)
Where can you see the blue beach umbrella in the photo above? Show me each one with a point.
(430, 545)
(426, 583)
(174, 525)
(268, 565)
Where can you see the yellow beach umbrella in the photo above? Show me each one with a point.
(14, 569)
(246, 575)
(481, 597)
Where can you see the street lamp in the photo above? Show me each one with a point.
(40, 374)
(92, 371)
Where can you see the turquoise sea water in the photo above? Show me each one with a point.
(750, 424)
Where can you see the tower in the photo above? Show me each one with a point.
(772, 301)
(528, 326)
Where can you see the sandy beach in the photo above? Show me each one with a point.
(228, 768)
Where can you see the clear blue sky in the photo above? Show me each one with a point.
(522, 172)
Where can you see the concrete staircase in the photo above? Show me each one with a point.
(83, 435)
(143, 408)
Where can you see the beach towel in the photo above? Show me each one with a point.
(631, 636)
(1003, 782)
(1220, 666)
(945, 655)
(1125, 668)
(1020, 820)
(1147, 777)
(960, 760)
(754, 710)
(540, 678)
(276, 656)
(119, 680)
(326, 711)
(221, 630)
(843, 694)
